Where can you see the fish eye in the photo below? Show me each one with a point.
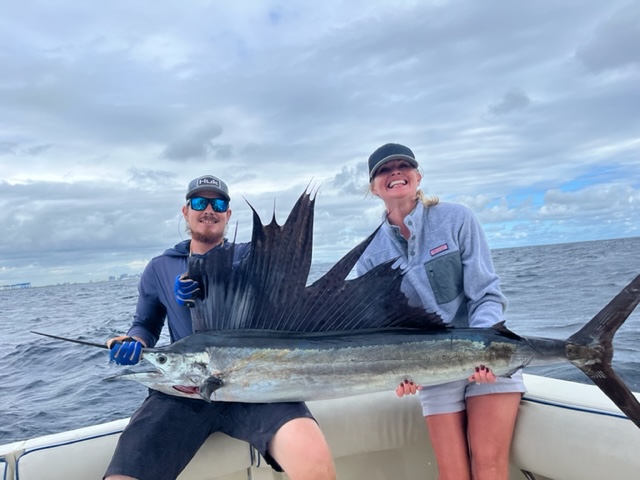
(162, 359)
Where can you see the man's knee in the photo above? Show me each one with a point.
(300, 448)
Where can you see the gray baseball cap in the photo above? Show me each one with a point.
(207, 183)
(388, 152)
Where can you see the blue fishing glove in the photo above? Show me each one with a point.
(186, 290)
(124, 350)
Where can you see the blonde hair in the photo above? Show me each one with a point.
(427, 200)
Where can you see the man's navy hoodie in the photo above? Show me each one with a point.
(156, 297)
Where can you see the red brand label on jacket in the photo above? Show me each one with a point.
(441, 248)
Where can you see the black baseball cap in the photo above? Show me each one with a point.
(388, 152)
(207, 183)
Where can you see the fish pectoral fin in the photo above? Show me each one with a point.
(210, 385)
(512, 371)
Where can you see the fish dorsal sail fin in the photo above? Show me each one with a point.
(329, 283)
(373, 300)
(268, 289)
(255, 293)
(211, 271)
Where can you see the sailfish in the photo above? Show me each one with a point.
(262, 334)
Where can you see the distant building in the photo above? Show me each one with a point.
(15, 286)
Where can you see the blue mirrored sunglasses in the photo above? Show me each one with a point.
(199, 204)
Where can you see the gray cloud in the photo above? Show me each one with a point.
(614, 43)
(525, 112)
(197, 144)
(512, 101)
(37, 149)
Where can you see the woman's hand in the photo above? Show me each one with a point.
(407, 388)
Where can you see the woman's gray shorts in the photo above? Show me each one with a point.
(451, 397)
(165, 433)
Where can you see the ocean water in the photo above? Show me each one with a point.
(49, 386)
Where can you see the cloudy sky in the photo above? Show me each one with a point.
(527, 112)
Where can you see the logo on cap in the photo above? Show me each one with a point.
(210, 181)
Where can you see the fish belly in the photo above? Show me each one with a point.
(268, 375)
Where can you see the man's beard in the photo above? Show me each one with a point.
(208, 239)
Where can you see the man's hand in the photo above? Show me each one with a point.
(186, 291)
(124, 350)
(407, 388)
(482, 375)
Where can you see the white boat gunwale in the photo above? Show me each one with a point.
(564, 430)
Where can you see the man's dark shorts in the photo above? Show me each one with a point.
(166, 432)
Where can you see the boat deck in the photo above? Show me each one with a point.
(564, 430)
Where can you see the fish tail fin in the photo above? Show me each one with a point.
(591, 349)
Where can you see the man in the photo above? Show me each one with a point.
(167, 431)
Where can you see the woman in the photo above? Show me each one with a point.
(447, 269)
